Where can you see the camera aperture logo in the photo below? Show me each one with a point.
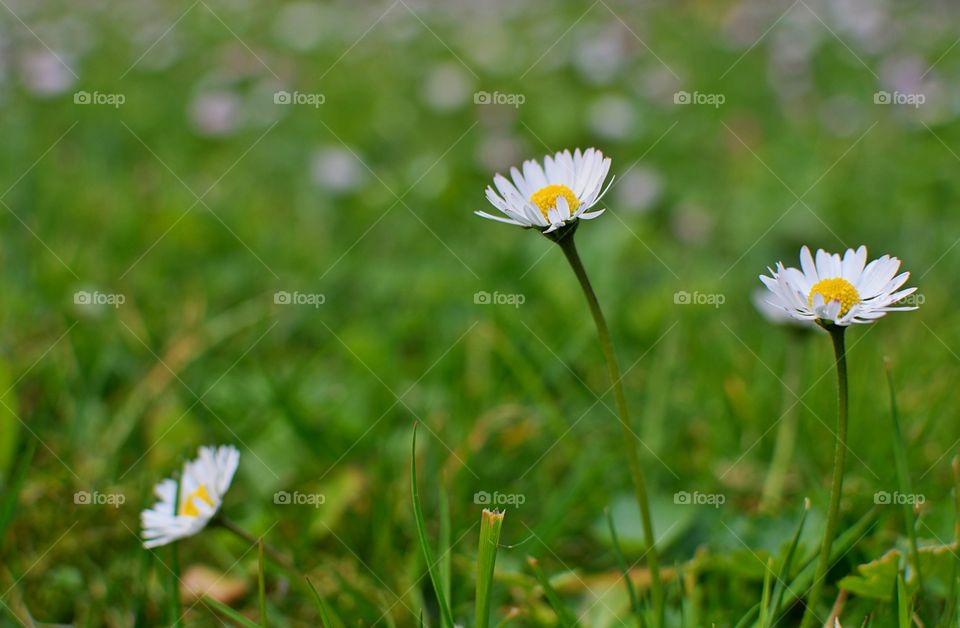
(99, 98)
(699, 98)
(499, 298)
(899, 98)
(885, 498)
(499, 98)
(314, 299)
(96, 498)
(496, 498)
(697, 498)
(83, 297)
(299, 98)
(296, 498)
(683, 297)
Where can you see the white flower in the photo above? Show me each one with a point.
(201, 489)
(550, 196)
(838, 291)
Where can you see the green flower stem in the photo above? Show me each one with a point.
(275, 555)
(564, 237)
(840, 454)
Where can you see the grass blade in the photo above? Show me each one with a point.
(765, 596)
(624, 568)
(446, 566)
(262, 585)
(841, 545)
(903, 477)
(228, 612)
(903, 604)
(446, 616)
(784, 574)
(11, 491)
(490, 523)
(564, 615)
(325, 621)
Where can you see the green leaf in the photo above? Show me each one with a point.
(876, 579)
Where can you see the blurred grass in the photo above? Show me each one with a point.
(323, 399)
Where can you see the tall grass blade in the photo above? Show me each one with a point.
(564, 615)
(446, 616)
(490, 523)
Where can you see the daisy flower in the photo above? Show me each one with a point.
(547, 197)
(201, 490)
(838, 291)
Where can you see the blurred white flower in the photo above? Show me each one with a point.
(448, 86)
(299, 25)
(838, 291)
(215, 113)
(638, 189)
(335, 168)
(611, 117)
(45, 73)
(201, 490)
(552, 195)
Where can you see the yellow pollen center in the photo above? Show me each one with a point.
(188, 508)
(836, 289)
(546, 198)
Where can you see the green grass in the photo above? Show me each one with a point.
(321, 400)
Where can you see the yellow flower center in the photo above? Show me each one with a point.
(546, 198)
(188, 508)
(836, 289)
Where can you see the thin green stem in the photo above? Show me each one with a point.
(840, 454)
(569, 248)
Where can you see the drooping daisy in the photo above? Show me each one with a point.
(546, 197)
(838, 291)
(201, 490)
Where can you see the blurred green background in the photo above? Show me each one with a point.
(203, 195)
